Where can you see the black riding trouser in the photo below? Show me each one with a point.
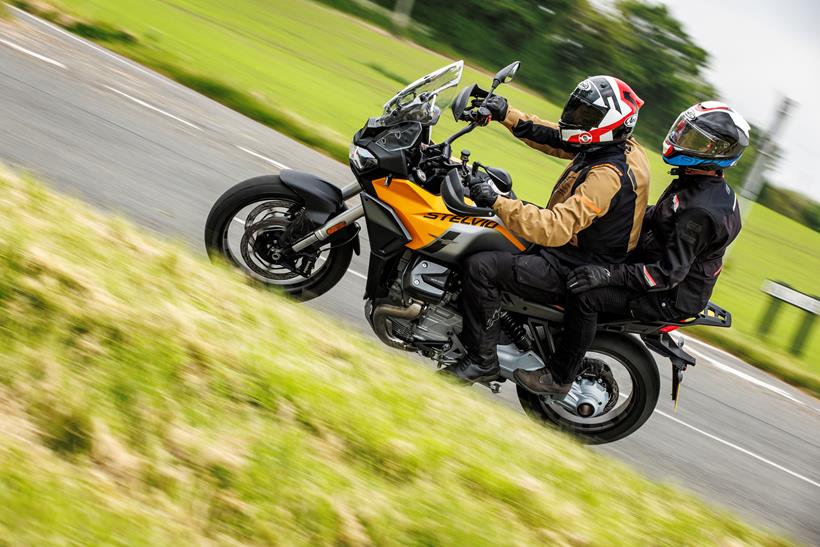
(581, 313)
(538, 278)
(541, 278)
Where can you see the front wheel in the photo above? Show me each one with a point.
(633, 401)
(255, 222)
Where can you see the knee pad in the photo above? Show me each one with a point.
(475, 267)
(587, 302)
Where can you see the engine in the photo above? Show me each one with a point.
(419, 315)
(435, 325)
(427, 281)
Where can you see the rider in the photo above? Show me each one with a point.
(593, 216)
(681, 252)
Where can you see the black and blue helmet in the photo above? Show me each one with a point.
(709, 135)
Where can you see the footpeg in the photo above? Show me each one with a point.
(492, 385)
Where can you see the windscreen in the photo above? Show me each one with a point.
(423, 100)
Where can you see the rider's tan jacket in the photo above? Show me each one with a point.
(574, 207)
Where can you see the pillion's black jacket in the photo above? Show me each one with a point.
(683, 240)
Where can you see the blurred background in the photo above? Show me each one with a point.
(222, 407)
(317, 75)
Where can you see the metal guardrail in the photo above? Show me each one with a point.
(780, 293)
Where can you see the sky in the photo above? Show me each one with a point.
(760, 51)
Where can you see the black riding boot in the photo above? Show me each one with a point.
(470, 370)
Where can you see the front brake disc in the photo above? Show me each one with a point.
(259, 248)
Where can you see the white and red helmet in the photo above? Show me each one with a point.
(600, 109)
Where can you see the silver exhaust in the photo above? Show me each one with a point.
(383, 312)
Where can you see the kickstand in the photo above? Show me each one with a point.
(678, 368)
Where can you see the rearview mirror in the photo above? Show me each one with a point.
(507, 73)
(461, 101)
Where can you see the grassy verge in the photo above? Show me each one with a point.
(149, 398)
(316, 75)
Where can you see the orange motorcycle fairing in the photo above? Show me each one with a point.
(426, 217)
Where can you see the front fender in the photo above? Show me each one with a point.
(322, 199)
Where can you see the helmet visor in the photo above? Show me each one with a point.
(686, 135)
(580, 114)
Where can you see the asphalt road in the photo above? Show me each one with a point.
(127, 140)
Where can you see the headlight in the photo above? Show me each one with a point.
(361, 158)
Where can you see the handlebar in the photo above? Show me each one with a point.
(460, 133)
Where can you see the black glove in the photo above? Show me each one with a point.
(483, 193)
(495, 108)
(588, 277)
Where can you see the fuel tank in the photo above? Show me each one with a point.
(437, 232)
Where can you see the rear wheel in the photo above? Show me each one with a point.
(632, 401)
(253, 224)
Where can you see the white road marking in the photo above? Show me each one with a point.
(744, 376)
(263, 158)
(33, 54)
(711, 347)
(353, 272)
(741, 449)
(357, 274)
(97, 48)
(152, 107)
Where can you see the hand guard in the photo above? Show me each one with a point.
(483, 193)
(588, 277)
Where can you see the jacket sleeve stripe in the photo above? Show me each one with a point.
(649, 279)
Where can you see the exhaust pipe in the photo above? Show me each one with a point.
(383, 312)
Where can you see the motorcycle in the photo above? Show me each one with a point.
(294, 231)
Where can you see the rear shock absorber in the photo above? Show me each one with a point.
(515, 331)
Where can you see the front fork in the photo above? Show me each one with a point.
(336, 223)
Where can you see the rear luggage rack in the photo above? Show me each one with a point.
(713, 316)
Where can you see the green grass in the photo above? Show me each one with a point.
(770, 246)
(317, 75)
(149, 398)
